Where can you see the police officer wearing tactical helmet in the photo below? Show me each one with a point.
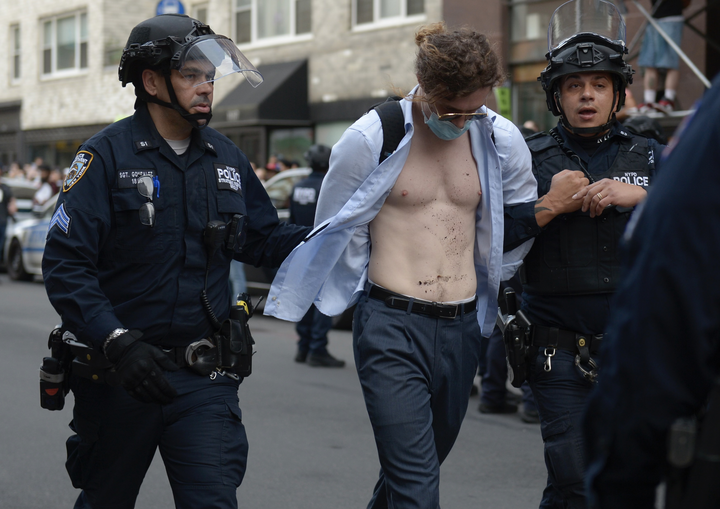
(573, 267)
(137, 260)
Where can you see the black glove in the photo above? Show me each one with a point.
(138, 367)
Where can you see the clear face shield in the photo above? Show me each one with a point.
(212, 57)
(585, 16)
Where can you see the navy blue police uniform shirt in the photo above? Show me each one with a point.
(581, 313)
(303, 201)
(103, 269)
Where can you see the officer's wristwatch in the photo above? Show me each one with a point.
(114, 334)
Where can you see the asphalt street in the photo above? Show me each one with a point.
(311, 445)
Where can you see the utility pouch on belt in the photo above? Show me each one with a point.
(515, 328)
(68, 355)
(234, 340)
(54, 372)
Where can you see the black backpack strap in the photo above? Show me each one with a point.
(393, 126)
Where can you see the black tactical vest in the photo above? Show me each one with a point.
(577, 254)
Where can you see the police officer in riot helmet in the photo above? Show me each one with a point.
(136, 263)
(314, 326)
(591, 173)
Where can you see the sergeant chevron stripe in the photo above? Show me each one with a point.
(61, 219)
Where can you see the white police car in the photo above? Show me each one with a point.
(25, 243)
(280, 186)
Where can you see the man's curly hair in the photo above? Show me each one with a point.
(452, 64)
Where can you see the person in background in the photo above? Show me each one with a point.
(8, 208)
(55, 180)
(656, 53)
(531, 125)
(15, 171)
(45, 192)
(312, 328)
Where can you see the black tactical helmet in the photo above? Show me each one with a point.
(585, 36)
(154, 41)
(170, 41)
(318, 157)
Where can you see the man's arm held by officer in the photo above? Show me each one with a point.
(527, 220)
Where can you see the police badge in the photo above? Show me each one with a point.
(77, 169)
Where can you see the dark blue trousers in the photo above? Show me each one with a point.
(200, 435)
(416, 373)
(313, 329)
(560, 395)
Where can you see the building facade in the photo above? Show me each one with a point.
(325, 62)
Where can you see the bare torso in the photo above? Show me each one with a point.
(423, 237)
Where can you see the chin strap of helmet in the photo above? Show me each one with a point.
(581, 131)
(192, 118)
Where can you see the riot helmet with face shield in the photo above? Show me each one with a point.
(585, 36)
(178, 42)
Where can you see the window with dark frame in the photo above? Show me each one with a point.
(16, 51)
(375, 11)
(257, 20)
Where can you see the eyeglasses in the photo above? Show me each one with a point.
(449, 117)
(145, 186)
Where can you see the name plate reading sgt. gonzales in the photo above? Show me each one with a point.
(128, 179)
(228, 178)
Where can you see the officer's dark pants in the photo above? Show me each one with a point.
(494, 390)
(560, 395)
(200, 435)
(416, 374)
(313, 329)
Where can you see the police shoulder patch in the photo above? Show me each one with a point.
(79, 166)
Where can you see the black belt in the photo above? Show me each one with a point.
(564, 339)
(422, 307)
(177, 355)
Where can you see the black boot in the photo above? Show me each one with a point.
(324, 360)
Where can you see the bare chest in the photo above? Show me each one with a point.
(445, 174)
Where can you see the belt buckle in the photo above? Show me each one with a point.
(441, 308)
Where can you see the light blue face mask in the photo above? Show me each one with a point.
(443, 129)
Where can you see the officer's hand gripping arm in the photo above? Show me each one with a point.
(560, 199)
(139, 367)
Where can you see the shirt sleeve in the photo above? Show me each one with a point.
(353, 157)
(519, 189)
(77, 233)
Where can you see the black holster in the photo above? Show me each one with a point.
(516, 338)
